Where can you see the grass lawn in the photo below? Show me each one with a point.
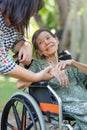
(7, 88)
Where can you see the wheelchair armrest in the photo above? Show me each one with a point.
(40, 84)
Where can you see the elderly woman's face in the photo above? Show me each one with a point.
(47, 44)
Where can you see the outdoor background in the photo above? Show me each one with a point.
(66, 18)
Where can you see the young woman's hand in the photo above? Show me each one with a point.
(45, 74)
(25, 54)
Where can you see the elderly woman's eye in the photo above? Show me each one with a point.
(48, 37)
(40, 43)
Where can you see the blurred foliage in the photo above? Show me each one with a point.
(73, 33)
(50, 14)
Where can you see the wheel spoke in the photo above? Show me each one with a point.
(31, 125)
(32, 117)
(11, 126)
(23, 118)
(17, 118)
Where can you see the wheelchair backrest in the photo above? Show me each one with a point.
(65, 55)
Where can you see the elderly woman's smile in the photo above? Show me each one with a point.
(46, 43)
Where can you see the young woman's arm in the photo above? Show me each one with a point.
(29, 76)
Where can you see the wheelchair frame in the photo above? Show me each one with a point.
(35, 115)
(61, 124)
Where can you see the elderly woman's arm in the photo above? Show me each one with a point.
(81, 66)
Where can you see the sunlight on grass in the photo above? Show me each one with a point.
(3, 78)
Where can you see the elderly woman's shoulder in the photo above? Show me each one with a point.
(39, 61)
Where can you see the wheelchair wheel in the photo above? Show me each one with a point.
(22, 113)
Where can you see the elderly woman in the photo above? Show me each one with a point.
(74, 95)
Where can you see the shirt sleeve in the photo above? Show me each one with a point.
(9, 37)
(6, 62)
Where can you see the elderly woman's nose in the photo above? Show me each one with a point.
(46, 41)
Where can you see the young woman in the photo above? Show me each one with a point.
(14, 19)
(74, 96)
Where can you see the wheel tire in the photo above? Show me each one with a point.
(22, 113)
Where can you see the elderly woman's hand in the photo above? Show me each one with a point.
(64, 63)
(22, 84)
(61, 76)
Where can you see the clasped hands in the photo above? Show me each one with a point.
(59, 72)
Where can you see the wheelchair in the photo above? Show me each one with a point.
(37, 108)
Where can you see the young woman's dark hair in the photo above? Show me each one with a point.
(19, 12)
(36, 34)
